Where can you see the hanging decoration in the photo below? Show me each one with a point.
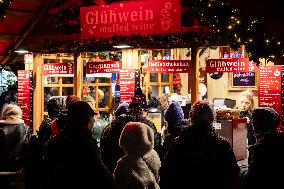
(177, 83)
(227, 26)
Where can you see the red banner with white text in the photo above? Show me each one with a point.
(126, 84)
(103, 67)
(126, 18)
(58, 69)
(25, 95)
(169, 66)
(269, 87)
(230, 65)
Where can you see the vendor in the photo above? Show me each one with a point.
(246, 105)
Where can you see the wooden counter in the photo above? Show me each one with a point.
(235, 131)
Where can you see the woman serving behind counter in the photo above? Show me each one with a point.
(246, 105)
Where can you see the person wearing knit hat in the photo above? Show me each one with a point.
(174, 117)
(121, 109)
(139, 167)
(265, 168)
(138, 102)
(70, 100)
(199, 157)
(15, 134)
(74, 150)
(109, 140)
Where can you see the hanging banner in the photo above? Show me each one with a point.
(126, 84)
(169, 66)
(102, 67)
(126, 18)
(25, 98)
(230, 65)
(269, 87)
(58, 69)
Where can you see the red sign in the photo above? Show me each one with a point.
(169, 66)
(24, 94)
(126, 84)
(58, 69)
(230, 65)
(125, 18)
(103, 67)
(269, 87)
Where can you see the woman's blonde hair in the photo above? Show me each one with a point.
(163, 98)
(249, 95)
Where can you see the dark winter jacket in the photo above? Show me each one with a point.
(199, 158)
(109, 141)
(73, 161)
(175, 124)
(266, 162)
(250, 133)
(11, 153)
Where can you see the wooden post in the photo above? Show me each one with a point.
(78, 76)
(194, 75)
(37, 93)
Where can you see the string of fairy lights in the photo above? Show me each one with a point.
(228, 26)
(4, 4)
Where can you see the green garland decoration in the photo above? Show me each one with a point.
(227, 26)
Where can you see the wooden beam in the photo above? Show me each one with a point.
(78, 76)
(38, 95)
(194, 75)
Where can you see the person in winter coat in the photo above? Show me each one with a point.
(199, 157)
(15, 135)
(54, 106)
(174, 117)
(109, 141)
(139, 167)
(266, 166)
(73, 158)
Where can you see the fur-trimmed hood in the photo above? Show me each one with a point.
(11, 114)
(136, 138)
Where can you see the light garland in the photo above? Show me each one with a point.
(229, 26)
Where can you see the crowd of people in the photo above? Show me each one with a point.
(132, 154)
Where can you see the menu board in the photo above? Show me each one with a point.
(25, 97)
(269, 87)
(245, 79)
(127, 84)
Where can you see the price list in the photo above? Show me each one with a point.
(127, 84)
(269, 87)
(25, 91)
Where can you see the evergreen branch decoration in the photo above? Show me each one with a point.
(227, 26)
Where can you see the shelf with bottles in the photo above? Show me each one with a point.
(227, 52)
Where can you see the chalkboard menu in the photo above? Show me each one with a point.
(242, 80)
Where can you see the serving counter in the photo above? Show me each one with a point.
(235, 131)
